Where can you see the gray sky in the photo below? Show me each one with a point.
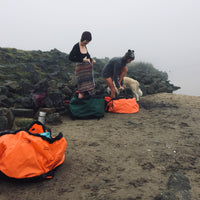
(165, 33)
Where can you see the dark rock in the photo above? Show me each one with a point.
(67, 91)
(6, 119)
(132, 123)
(178, 187)
(3, 123)
(53, 118)
(3, 90)
(22, 112)
(94, 144)
(41, 86)
(178, 182)
(100, 86)
(12, 85)
(4, 101)
(25, 88)
(25, 102)
(151, 80)
(10, 116)
(55, 99)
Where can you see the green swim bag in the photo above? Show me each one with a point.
(89, 107)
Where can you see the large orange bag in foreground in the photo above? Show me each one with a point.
(31, 153)
(121, 105)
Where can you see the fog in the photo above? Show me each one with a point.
(164, 33)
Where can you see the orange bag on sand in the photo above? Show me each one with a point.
(31, 153)
(121, 105)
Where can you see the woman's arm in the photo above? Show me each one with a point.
(116, 74)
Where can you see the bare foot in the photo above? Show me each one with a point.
(80, 95)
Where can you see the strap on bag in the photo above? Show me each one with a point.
(109, 103)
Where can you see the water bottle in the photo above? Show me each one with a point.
(41, 117)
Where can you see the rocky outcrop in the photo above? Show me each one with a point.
(151, 80)
(26, 74)
(35, 79)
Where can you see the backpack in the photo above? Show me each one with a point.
(31, 153)
(122, 105)
(89, 107)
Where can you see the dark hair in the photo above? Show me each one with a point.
(129, 55)
(86, 36)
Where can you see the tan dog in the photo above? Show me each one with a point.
(132, 84)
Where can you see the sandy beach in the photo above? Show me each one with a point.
(123, 156)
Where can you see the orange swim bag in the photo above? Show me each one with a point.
(31, 153)
(121, 105)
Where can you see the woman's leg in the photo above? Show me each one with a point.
(80, 95)
(110, 84)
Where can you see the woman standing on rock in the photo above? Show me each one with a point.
(84, 65)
